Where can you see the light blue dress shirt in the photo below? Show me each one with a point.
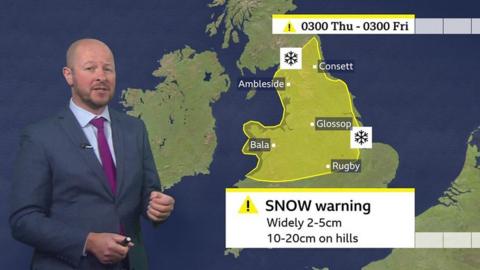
(84, 117)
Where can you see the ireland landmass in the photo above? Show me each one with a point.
(457, 211)
(178, 112)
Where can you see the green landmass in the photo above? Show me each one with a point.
(254, 19)
(457, 211)
(300, 151)
(178, 113)
(233, 251)
(261, 51)
(250, 94)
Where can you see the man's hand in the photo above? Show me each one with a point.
(107, 247)
(160, 206)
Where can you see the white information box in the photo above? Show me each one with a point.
(320, 218)
(343, 24)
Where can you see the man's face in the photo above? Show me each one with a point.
(91, 74)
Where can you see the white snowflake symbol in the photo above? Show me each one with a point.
(361, 137)
(291, 58)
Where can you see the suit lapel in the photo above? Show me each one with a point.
(75, 133)
(118, 138)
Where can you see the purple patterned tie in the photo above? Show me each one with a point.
(105, 154)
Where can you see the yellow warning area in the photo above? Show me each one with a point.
(298, 151)
(248, 207)
(289, 28)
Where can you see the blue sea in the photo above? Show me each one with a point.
(419, 93)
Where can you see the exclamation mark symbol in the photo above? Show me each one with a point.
(289, 28)
(248, 207)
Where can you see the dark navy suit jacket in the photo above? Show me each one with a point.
(60, 192)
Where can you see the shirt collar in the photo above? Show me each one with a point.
(84, 117)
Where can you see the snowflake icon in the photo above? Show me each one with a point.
(361, 137)
(291, 58)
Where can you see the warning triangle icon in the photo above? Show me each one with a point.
(289, 28)
(248, 207)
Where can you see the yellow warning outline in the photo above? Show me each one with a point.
(343, 16)
(283, 118)
(320, 190)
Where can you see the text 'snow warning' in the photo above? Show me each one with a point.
(320, 218)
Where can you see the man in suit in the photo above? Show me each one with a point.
(84, 177)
